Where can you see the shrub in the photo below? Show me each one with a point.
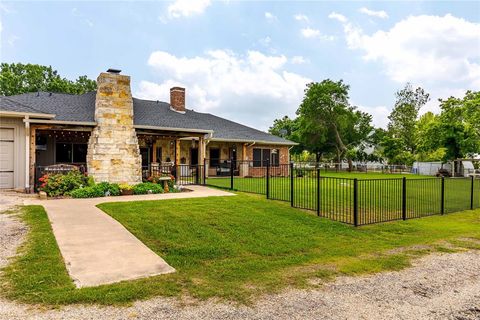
(98, 190)
(87, 192)
(145, 187)
(62, 184)
(107, 188)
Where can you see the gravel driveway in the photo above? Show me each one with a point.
(439, 286)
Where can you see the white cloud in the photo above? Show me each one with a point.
(187, 8)
(270, 16)
(310, 33)
(299, 60)
(337, 16)
(423, 49)
(372, 13)
(301, 17)
(251, 88)
(440, 54)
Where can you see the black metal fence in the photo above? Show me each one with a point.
(184, 174)
(350, 200)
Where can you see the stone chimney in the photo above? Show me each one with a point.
(113, 153)
(177, 99)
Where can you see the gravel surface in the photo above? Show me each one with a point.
(438, 286)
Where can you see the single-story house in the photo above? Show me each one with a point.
(116, 137)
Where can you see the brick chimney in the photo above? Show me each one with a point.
(113, 153)
(177, 99)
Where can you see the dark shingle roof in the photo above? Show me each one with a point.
(7, 104)
(66, 107)
(81, 108)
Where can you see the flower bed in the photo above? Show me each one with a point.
(78, 185)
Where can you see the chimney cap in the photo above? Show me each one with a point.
(116, 71)
(177, 88)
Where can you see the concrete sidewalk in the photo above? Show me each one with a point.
(96, 248)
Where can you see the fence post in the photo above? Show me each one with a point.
(404, 198)
(355, 202)
(231, 173)
(291, 183)
(204, 171)
(442, 204)
(471, 193)
(267, 191)
(318, 191)
(197, 172)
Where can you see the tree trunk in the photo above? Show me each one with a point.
(341, 146)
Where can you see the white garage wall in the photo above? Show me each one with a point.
(19, 149)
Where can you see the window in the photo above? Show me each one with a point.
(257, 157)
(71, 153)
(275, 158)
(214, 157)
(262, 157)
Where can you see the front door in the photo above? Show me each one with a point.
(145, 153)
(194, 156)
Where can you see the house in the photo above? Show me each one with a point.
(117, 138)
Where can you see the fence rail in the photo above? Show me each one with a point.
(350, 200)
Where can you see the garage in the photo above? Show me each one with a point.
(7, 172)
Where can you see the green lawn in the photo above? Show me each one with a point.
(232, 248)
(379, 195)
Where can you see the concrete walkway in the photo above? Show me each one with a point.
(96, 248)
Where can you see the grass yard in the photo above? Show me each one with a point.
(232, 248)
(379, 195)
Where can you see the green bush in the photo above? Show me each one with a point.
(87, 192)
(97, 190)
(62, 184)
(111, 188)
(145, 187)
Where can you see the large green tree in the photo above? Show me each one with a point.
(404, 116)
(287, 128)
(327, 123)
(456, 130)
(17, 78)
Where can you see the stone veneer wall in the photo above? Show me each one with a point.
(113, 153)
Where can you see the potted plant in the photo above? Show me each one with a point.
(126, 189)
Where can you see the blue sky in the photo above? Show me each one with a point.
(250, 61)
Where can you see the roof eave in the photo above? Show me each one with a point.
(5, 113)
(283, 143)
(64, 122)
(173, 129)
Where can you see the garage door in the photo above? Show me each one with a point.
(6, 158)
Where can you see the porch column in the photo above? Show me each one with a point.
(30, 183)
(201, 150)
(177, 157)
(243, 163)
(154, 153)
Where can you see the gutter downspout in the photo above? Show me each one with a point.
(289, 154)
(27, 155)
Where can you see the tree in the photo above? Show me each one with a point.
(457, 129)
(287, 128)
(326, 121)
(404, 115)
(18, 78)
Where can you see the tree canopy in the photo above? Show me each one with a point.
(329, 127)
(328, 123)
(18, 78)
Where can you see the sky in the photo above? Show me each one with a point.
(250, 61)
